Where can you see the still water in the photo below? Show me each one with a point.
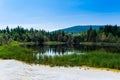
(68, 49)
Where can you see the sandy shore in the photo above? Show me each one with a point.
(15, 70)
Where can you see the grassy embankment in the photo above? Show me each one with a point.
(83, 43)
(45, 43)
(100, 43)
(100, 59)
(53, 43)
(15, 51)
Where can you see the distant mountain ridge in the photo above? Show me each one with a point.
(79, 28)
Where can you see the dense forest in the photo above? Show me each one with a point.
(107, 33)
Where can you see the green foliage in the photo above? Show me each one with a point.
(78, 38)
(98, 59)
(91, 35)
(107, 33)
(54, 43)
(14, 51)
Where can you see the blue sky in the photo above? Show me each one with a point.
(56, 14)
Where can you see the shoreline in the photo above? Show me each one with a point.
(80, 67)
(113, 44)
(21, 71)
(102, 69)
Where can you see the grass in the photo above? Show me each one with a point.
(27, 43)
(46, 43)
(93, 59)
(53, 43)
(100, 43)
(15, 51)
(99, 59)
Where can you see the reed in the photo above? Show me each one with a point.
(98, 59)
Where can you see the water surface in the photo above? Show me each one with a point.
(63, 49)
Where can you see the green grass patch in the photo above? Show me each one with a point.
(100, 43)
(15, 51)
(28, 43)
(53, 43)
(98, 59)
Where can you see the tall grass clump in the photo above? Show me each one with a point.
(15, 51)
(100, 59)
(103, 59)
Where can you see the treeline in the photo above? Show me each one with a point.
(106, 33)
(31, 35)
(22, 35)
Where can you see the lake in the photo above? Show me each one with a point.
(62, 49)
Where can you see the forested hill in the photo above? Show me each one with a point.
(107, 33)
(78, 29)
